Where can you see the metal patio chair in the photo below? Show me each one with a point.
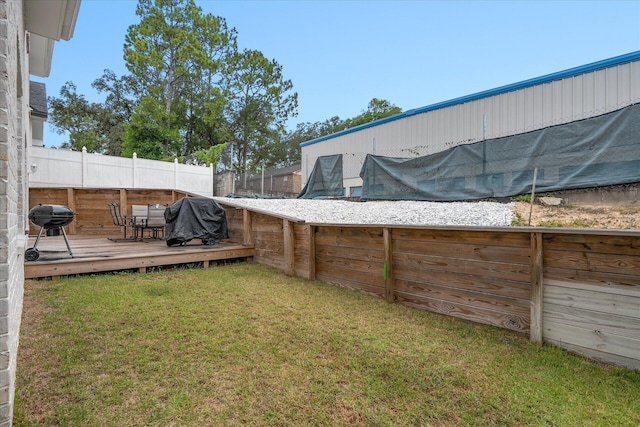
(148, 217)
(139, 215)
(121, 221)
(155, 220)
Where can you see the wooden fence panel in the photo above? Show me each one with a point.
(47, 196)
(351, 257)
(93, 216)
(592, 296)
(301, 250)
(268, 240)
(467, 274)
(235, 224)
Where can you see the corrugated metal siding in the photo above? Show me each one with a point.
(522, 110)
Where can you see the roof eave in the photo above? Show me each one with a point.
(47, 22)
(40, 55)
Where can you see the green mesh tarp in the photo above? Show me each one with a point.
(325, 179)
(599, 151)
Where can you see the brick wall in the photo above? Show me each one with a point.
(14, 135)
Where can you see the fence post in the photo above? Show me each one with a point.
(124, 202)
(247, 238)
(212, 179)
(85, 169)
(312, 251)
(388, 265)
(289, 248)
(71, 203)
(537, 281)
(175, 173)
(134, 164)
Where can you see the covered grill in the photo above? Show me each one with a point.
(53, 219)
(195, 218)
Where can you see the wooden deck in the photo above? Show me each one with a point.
(95, 254)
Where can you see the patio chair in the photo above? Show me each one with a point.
(148, 217)
(155, 220)
(139, 215)
(121, 221)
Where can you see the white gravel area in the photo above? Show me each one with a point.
(486, 214)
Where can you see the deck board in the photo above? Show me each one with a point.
(95, 254)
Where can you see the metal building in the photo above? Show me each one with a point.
(558, 98)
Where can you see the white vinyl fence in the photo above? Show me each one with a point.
(51, 167)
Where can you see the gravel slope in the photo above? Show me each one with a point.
(488, 214)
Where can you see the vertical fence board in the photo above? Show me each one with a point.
(123, 201)
(536, 288)
(312, 252)
(289, 241)
(388, 264)
(301, 250)
(246, 227)
(71, 204)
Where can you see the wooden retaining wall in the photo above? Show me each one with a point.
(279, 242)
(351, 257)
(591, 295)
(476, 275)
(576, 288)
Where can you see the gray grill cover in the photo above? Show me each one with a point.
(195, 218)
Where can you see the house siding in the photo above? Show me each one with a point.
(14, 134)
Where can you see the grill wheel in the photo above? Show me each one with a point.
(31, 254)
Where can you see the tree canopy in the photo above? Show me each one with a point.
(90, 125)
(191, 94)
(179, 57)
(286, 151)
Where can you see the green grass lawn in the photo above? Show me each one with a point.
(242, 344)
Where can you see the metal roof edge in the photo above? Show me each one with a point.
(547, 78)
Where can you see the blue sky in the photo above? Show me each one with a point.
(341, 54)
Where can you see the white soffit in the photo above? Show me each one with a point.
(40, 53)
(48, 21)
(53, 19)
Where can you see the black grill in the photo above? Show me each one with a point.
(52, 218)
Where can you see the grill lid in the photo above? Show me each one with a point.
(51, 216)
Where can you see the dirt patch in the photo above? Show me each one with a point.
(616, 217)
